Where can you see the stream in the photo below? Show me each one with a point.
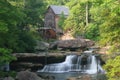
(74, 66)
(66, 75)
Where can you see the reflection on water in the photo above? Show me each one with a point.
(66, 75)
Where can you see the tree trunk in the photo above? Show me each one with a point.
(87, 14)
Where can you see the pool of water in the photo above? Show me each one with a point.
(66, 75)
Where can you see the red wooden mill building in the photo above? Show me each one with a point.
(51, 30)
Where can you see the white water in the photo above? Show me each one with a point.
(73, 63)
(93, 66)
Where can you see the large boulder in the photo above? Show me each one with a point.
(42, 46)
(27, 75)
(8, 78)
(72, 44)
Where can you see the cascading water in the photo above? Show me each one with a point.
(87, 64)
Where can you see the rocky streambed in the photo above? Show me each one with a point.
(28, 75)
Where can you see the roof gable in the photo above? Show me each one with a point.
(59, 9)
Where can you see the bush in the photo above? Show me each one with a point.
(10, 73)
(6, 56)
(112, 68)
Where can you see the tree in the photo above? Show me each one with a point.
(106, 15)
(8, 19)
(34, 10)
(77, 19)
(26, 42)
(11, 31)
(56, 2)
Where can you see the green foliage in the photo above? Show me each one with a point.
(6, 56)
(77, 19)
(108, 19)
(9, 17)
(92, 32)
(12, 28)
(61, 21)
(103, 18)
(25, 42)
(10, 73)
(20, 18)
(34, 10)
(56, 2)
(112, 68)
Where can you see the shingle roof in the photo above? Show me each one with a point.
(59, 9)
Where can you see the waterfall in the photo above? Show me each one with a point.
(93, 66)
(88, 64)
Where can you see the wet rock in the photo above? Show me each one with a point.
(8, 78)
(85, 77)
(34, 61)
(27, 75)
(72, 78)
(47, 77)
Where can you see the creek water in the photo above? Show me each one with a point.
(66, 75)
(74, 65)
